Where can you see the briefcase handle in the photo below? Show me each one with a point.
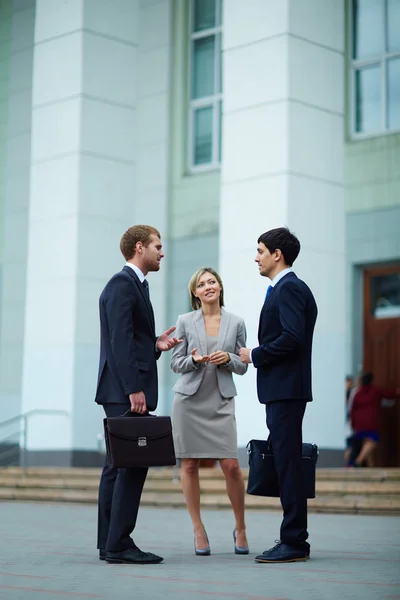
(136, 414)
(268, 441)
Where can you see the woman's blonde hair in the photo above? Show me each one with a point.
(194, 280)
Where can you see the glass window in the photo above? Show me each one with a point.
(393, 25)
(394, 93)
(375, 66)
(368, 28)
(220, 130)
(205, 84)
(368, 100)
(203, 129)
(204, 15)
(385, 296)
(203, 76)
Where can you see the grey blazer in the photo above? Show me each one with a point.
(232, 336)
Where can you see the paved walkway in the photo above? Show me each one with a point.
(47, 552)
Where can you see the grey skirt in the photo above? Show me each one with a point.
(204, 425)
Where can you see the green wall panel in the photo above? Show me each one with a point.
(194, 198)
(372, 164)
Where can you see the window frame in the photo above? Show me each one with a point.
(212, 101)
(357, 64)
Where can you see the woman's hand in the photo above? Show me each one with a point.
(219, 358)
(197, 358)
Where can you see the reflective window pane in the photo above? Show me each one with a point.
(393, 25)
(219, 46)
(393, 93)
(368, 99)
(203, 67)
(220, 131)
(203, 126)
(204, 14)
(368, 28)
(385, 296)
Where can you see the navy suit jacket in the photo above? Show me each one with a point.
(128, 342)
(285, 334)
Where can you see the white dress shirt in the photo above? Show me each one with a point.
(280, 275)
(273, 284)
(141, 277)
(137, 271)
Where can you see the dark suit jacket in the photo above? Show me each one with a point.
(128, 342)
(283, 358)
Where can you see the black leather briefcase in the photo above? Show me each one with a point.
(139, 441)
(263, 478)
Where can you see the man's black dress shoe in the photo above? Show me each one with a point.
(133, 556)
(307, 549)
(102, 554)
(283, 553)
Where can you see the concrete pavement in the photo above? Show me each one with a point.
(48, 551)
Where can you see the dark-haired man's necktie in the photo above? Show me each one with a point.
(146, 288)
(269, 290)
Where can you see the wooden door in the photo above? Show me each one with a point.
(382, 351)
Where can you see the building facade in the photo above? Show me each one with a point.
(213, 121)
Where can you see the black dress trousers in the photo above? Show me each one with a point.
(284, 421)
(119, 498)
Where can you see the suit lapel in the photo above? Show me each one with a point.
(269, 299)
(201, 331)
(141, 289)
(264, 306)
(223, 329)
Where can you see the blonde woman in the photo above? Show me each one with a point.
(203, 412)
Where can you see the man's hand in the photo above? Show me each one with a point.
(219, 357)
(197, 358)
(164, 342)
(244, 354)
(138, 402)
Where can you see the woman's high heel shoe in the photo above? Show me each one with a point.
(239, 549)
(202, 551)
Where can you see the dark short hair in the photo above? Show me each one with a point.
(284, 240)
(349, 377)
(135, 234)
(367, 378)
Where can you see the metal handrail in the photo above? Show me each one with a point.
(9, 437)
(24, 417)
(9, 451)
(36, 411)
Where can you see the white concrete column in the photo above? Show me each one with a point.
(17, 23)
(81, 200)
(283, 64)
(153, 109)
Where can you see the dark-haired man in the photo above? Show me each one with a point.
(127, 381)
(283, 363)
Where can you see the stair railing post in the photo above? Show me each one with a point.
(24, 444)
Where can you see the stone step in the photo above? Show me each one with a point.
(209, 486)
(371, 475)
(327, 504)
(367, 491)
